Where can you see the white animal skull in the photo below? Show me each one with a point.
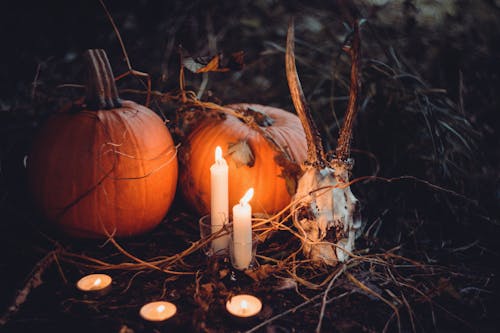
(326, 212)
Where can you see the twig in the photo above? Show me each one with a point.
(129, 284)
(270, 320)
(117, 32)
(34, 84)
(363, 287)
(325, 296)
(130, 71)
(34, 281)
(410, 313)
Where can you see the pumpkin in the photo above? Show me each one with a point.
(108, 168)
(263, 152)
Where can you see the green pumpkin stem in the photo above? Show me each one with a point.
(102, 93)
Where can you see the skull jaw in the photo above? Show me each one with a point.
(328, 252)
(321, 253)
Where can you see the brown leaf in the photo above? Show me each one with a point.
(223, 273)
(208, 288)
(285, 284)
(125, 329)
(205, 295)
(241, 153)
(262, 273)
(217, 63)
(446, 287)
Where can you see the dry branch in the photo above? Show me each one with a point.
(34, 280)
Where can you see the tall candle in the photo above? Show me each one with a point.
(242, 231)
(219, 201)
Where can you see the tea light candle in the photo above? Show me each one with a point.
(94, 282)
(158, 311)
(219, 199)
(242, 231)
(244, 305)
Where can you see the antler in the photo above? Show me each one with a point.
(315, 152)
(344, 142)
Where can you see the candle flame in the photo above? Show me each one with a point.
(160, 308)
(218, 154)
(247, 197)
(97, 282)
(244, 305)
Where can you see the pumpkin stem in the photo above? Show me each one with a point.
(344, 142)
(315, 151)
(102, 93)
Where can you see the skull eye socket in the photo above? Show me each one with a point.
(356, 216)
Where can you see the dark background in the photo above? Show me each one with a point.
(434, 117)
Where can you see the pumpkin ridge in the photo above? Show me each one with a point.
(141, 161)
(169, 149)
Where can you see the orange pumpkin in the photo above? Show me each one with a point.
(269, 165)
(109, 169)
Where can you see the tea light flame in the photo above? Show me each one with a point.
(244, 306)
(247, 197)
(160, 308)
(97, 282)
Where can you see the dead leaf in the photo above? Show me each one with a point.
(262, 273)
(217, 63)
(241, 153)
(125, 329)
(205, 295)
(208, 288)
(223, 273)
(445, 286)
(285, 284)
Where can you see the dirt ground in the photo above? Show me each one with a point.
(427, 133)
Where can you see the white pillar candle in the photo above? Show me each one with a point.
(242, 232)
(219, 199)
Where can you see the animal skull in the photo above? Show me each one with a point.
(325, 212)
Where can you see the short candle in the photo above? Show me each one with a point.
(158, 311)
(94, 282)
(243, 305)
(242, 232)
